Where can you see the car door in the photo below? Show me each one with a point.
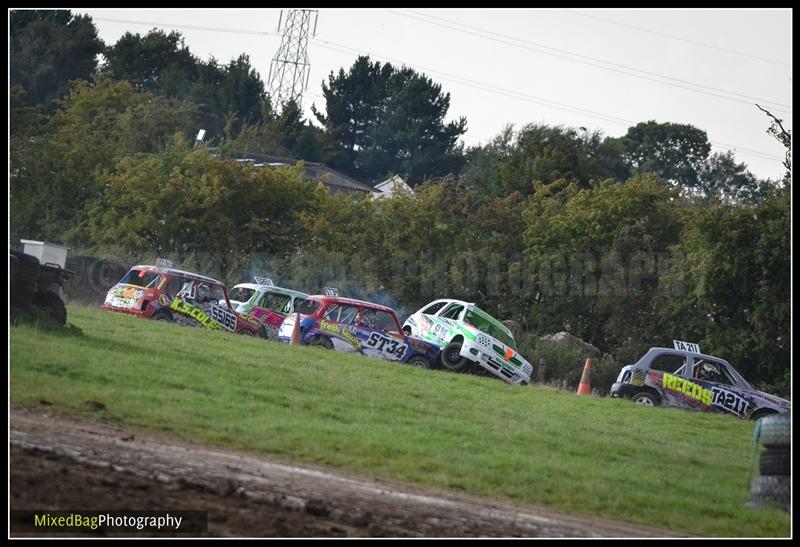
(380, 332)
(339, 324)
(670, 374)
(727, 396)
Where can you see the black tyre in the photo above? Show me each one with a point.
(269, 332)
(420, 361)
(773, 431)
(775, 461)
(51, 302)
(162, 315)
(321, 342)
(646, 398)
(769, 490)
(23, 279)
(452, 359)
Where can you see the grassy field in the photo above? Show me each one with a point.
(667, 468)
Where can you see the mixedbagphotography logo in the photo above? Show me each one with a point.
(109, 521)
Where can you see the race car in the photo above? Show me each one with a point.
(469, 337)
(266, 302)
(164, 293)
(683, 377)
(344, 324)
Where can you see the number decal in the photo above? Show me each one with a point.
(388, 345)
(224, 318)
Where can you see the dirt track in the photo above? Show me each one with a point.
(66, 463)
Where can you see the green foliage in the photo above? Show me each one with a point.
(161, 64)
(47, 50)
(737, 278)
(54, 174)
(185, 201)
(390, 120)
(511, 162)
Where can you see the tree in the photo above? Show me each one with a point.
(594, 256)
(736, 297)
(390, 120)
(720, 177)
(675, 152)
(186, 201)
(512, 162)
(158, 62)
(47, 50)
(784, 137)
(54, 169)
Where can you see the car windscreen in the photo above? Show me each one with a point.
(141, 278)
(241, 294)
(485, 323)
(307, 306)
(274, 301)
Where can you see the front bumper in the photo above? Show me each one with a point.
(505, 370)
(623, 389)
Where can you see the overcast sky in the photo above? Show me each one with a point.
(600, 69)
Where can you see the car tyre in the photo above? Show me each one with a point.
(161, 315)
(646, 398)
(775, 461)
(773, 431)
(51, 302)
(420, 361)
(321, 342)
(452, 359)
(772, 489)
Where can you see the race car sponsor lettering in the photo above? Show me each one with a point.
(690, 389)
(391, 345)
(195, 312)
(340, 332)
(729, 401)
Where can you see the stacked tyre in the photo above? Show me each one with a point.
(773, 487)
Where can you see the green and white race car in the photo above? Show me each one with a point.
(470, 336)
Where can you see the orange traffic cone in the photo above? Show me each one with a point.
(584, 388)
(296, 331)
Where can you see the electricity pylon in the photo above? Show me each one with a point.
(290, 69)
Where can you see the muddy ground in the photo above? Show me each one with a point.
(61, 462)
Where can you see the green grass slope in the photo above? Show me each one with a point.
(667, 468)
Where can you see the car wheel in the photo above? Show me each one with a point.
(321, 342)
(452, 359)
(162, 316)
(268, 331)
(646, 398)
(246, 332)
(420, 361)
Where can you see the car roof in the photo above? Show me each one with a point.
(496, 322)
(173, 271)
(352, 302)
(273, 288)
(685, 353)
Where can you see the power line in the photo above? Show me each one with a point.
(483, 86)
(192, 27)
(558, 55)
(464, 81)
(695, 42)
(520, 96)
